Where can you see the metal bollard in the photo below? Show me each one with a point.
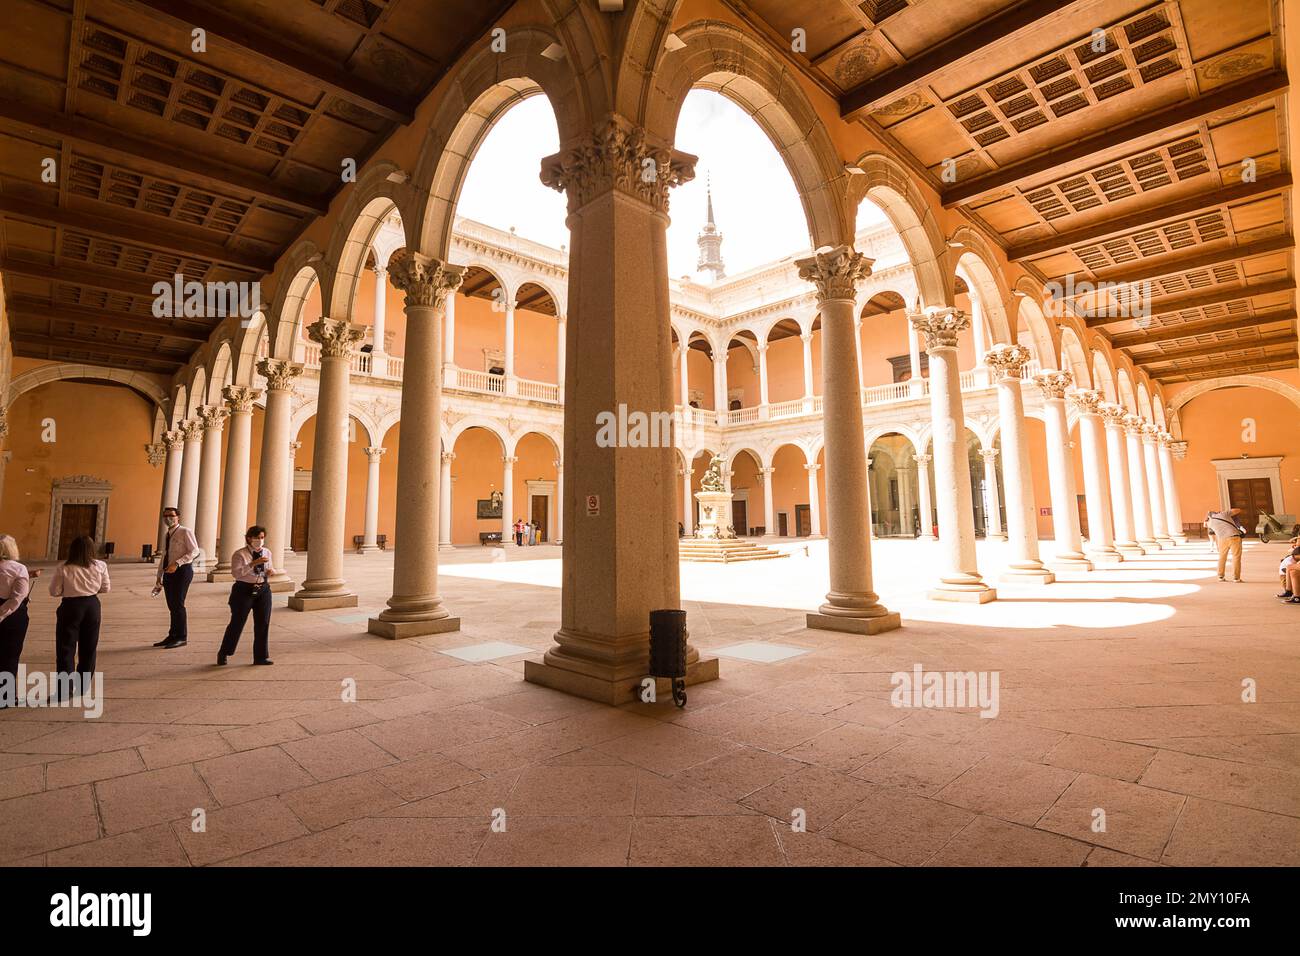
(668, 650)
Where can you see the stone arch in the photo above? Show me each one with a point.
(44, 374)
(1040, 330)
(974, 256)
(1144, 401)
(1196, 389)
(220, 370)
(720, 57)
(1127, 395)
(556, 443)
(198, 387)
(482, 90)
(381, 190)
(1103, 375)
(879, 431)
(246, 346)
(1074, 359)
(886, 183)
(303, 268)
(748, 449)
(180, 405)
(453, 433)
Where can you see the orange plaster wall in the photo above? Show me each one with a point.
(478, 327)
(101, 431)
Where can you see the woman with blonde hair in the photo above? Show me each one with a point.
(15, 586)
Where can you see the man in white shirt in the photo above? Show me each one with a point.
(175, 572)
(1228, 532)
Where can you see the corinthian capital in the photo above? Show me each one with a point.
(212, 417)
(240, 398)
(835, 271)
(1114, 414)
(4, 423)
(279, 374)
(1087, 401)
(173, 439)
(1008, 361)
(335, 336)
(1053, 384)
(617, 155)
(940, 326)
(156, 453)
(192, 429)
(425, 280)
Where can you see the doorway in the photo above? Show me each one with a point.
(739, 518)
(1254, 496)
(1083, 516)
(783, 524)
(540, 515)
(76, 521)
(802, 521)
(301, 520)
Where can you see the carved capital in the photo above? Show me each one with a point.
(509, 460)
(1053, 384)
(989, 455)
(1114, 414)
(279, 374)
(619, 156)
(922, 460)
(425, 280)
(4, 423)
(173, 439)
(448, 457)
(374, 453)
(293, 448)
(939, 326)
(1087, 401)
(835, 271)
(156, 453)
(240, 398)
(1133, 424)
(335, 337)
(1178, 449)
(1008, 361)
(213, 417)
(192, 430)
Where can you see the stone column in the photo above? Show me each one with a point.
(916, 382)
(174, 442)
(508, 499)
(814, 502)
(1117, 465)
(191, 462)
(925, 505)
(906, 499)
(1060, 472)
(234, 493)
(857, 347)
(273, 473)
(720, 384)
(769, 510)
(620, 560)
(959, 579)
(1138, 487)
(762, 380)
(288, 500)
(992, 501)
(205, 525)
(370, 531)
(806, 339)
(1173, 510)
(415, 607)
(688, 502)
(449, 353)
(560, 336)
(559, 500)
(1159, 513)
(444, 501)
(1092, 441)
(1006, 363)
(851, 604)
(685, 379)
(324, 586)
(381, 311)
(512, 385)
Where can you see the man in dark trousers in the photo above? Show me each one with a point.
(175, 572)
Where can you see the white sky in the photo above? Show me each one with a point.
(754, 200)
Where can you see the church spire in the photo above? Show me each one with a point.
(710, 242)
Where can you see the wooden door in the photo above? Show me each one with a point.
(1083, 517)
(802, 521)
(1254, 496)
(739, 519)
(76, 520)
(298, 538)
(783, 524)
(541, 507)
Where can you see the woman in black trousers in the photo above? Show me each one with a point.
(79, 581)
(250, 566)
(15, 585)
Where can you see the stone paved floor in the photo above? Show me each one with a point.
(1119, 691)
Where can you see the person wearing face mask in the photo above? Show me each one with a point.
(175, 572)
(251, 566)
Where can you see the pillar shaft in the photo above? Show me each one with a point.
(851, 604)
(1172, 507)
(234, 492)
(688, 502)
(959, 579)
(449, 351)
(1096, 489)
(174, 441)
(814, 501)
(806, 338)
(1060, 472)
(381, 313)
(1007, 363)
(560, 337)
(1117, 466)
(508, 498)
(1138, 488)
(762, 374)
(191, 463)
(1156, 488)
(415, 606)
(926, 505)
(370, 531)
(511, 385)
(209, 503)
(323, 586)
(769, 510)
(444, 502)
(720, 384)
(992, 502)
(273, 472)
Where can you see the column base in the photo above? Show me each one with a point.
(996, 536)
(1106, 557)
(982, 596)
(1130, 548)
(446, 548)
(395, 630)
(368, 549)
(1167, 542)
(1149, 544)
(281, 583)
(855, 625)
(1028, 576)
(221, 576)
(611, 689)
(1179, 540)
(305, 601)
(1070, 563)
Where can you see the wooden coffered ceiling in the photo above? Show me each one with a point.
(168, 160)
(1099, 139)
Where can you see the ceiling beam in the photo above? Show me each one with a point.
(1169, 333)
(299, 64)
(176, 359)
(80, 274)
(1059, 161)
(1217, 296)
(129, 229)
(997, 30)
(1145, 271)
(1215, 348)
(27, 307)
(1151, 217)
(1235, 365)
(155, 158)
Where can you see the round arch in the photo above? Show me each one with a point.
(886, 183)
(43, 375)
(304, 267)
